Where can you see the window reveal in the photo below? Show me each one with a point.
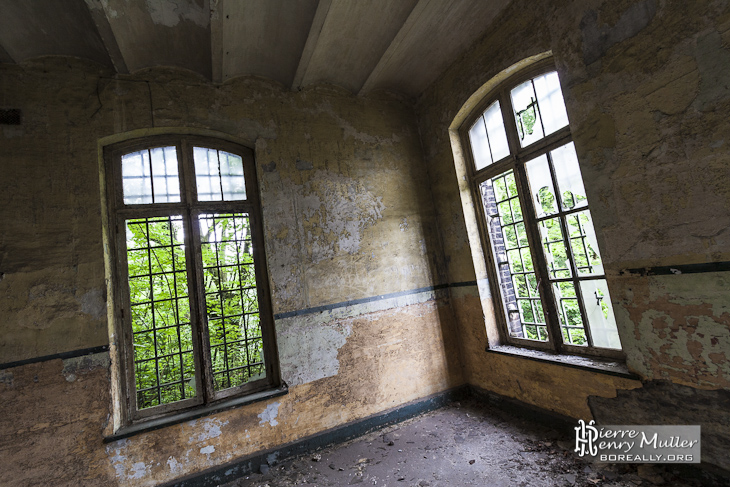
(548, 270)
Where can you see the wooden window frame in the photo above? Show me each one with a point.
(516, 161)
(189, 209)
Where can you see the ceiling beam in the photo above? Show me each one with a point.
(411, 22)
(99, 16)
(320, 16)
(216, 40)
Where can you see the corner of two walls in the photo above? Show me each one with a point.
(646, 89)
(352, 251)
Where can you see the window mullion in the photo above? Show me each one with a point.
(509, 122)
(540, 263)
(195, 273)
(187, 172)
(201, 330)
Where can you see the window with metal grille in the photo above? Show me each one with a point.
(545, 262)
(193, 310)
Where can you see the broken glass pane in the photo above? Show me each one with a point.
(550, 98)
(570, 180)
(527, 113)
(556, 252)
(541, 186)
(584, 244)
(601, 320)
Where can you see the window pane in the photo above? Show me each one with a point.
(541, 186)
(234, 186)
(160, 313)
(584, 244)
(150, 181)
(165, 179)
(556, 252)
(602, 323)
(206, 174)
(571, 321)
(234, 328)
(570, 180)
(496, 131)
(518, 284)
(136, 178)
(527, 113)
(550, 98)
(218, 175)
(480, 144)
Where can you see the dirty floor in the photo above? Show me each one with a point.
(466, 444)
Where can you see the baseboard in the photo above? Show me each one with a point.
(522, 409)
(252, 463)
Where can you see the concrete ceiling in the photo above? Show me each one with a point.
(359, 45)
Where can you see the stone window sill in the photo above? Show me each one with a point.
(189, 415)
(602, 366)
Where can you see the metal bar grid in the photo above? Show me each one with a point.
(158, 233)
(553, 270)
(231, 298)
(565, 325)
(582, 247)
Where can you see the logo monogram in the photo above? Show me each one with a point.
(585, 437)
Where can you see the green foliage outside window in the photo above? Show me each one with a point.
(231, 298)
(527, 118)
(162, 339)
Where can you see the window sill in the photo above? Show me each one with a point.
(601, 366)
(158, 423)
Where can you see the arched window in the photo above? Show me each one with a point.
(192, 307)
(544, 261)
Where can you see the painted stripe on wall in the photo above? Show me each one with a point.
(382, 297)
(62, 355)
(347, 309)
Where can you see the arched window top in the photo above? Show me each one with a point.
(519, 113)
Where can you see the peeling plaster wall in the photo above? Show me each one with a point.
(348, 216)
(647, 94)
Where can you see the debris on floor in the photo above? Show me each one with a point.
(467, 443)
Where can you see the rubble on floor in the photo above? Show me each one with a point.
(467, 444)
